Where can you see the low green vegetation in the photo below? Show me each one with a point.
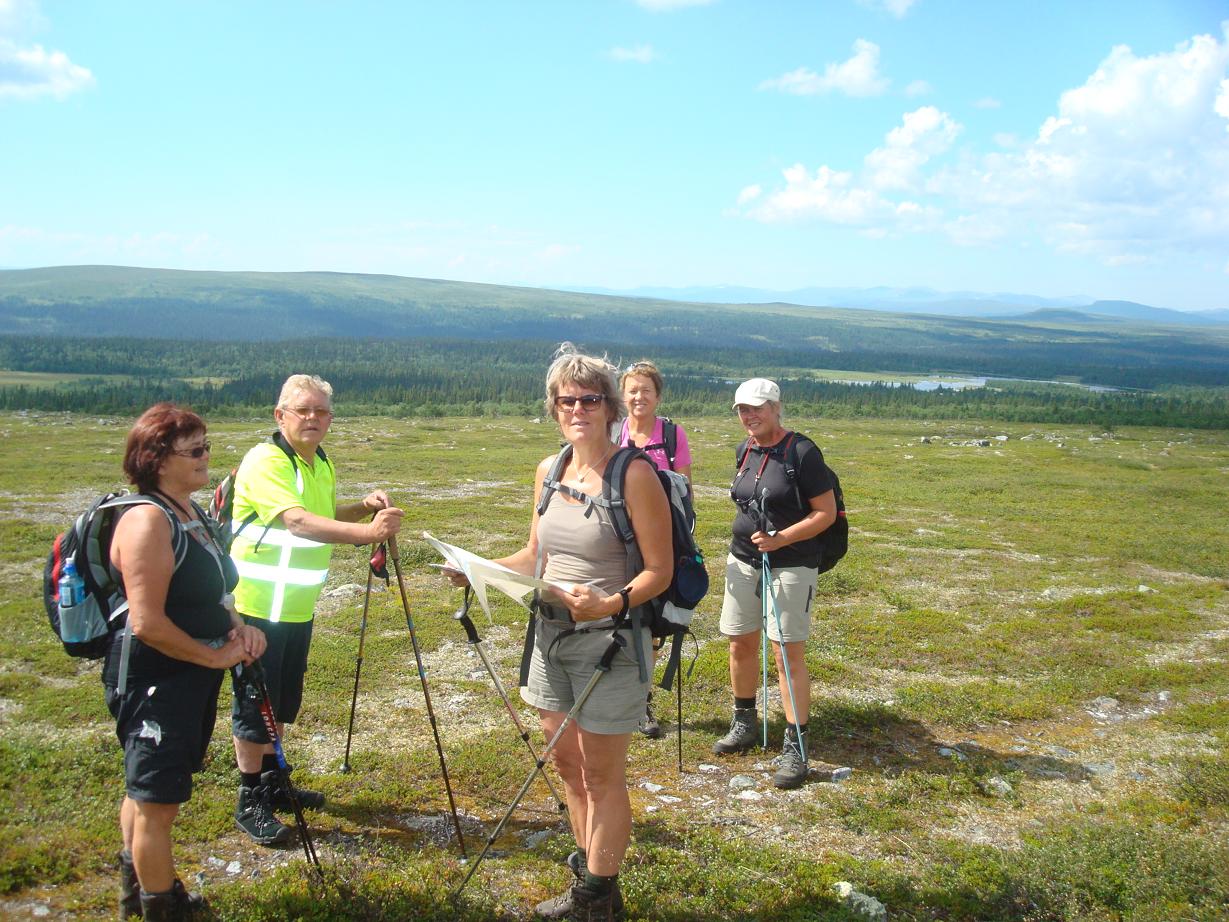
(1022, 659)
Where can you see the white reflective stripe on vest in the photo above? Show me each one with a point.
(281, 576)
(275, 537)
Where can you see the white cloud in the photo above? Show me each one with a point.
(830, 195)
(918, 88)
(1135, 161)
(922, 135)
(1132, 165)
(26, 73)
(639, 54)
(749, 194)
(857, 76)
(988, 102)
(666, 6)
(897, 8)
(19, 17)
(27, 70)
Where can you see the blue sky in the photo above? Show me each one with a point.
(1051, 147)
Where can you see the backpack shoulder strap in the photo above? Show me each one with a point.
(551, 482)
(178, 536)
(670, 438)
(740, 453)
(614, 479)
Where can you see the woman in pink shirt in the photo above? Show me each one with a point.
(663, 440)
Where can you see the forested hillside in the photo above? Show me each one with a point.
(121, 302)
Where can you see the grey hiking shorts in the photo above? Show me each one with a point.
(742, 609)
(558, 675)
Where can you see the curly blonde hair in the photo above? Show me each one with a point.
(571, 366)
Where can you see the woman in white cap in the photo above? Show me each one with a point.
(785, 499)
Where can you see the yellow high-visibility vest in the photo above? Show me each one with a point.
(280, 575)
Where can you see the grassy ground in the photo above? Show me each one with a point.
(1023, 659)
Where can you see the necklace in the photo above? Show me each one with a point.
(580, 478)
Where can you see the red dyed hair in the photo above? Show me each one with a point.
(152, 438)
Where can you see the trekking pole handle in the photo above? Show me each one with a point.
(471, 632)
(616, 644)
(462, 616)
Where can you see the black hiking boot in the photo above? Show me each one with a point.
(648, 723)
(254, 815)
(308, 800)
(174, 905)
(741, 735)
(129, 887)
(580, 903)
(792, 763)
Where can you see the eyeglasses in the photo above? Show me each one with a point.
(196, 451)
(310, 412)
(588, 401)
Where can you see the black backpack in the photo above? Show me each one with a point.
(104, 609)
(222, 504)
(834, 540)
(671, 612)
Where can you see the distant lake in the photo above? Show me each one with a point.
(960, 384)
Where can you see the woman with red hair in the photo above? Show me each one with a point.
(184, 634)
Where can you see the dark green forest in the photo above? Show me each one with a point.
(427, 347)
(452, 377)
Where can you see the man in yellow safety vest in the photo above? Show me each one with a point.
(286, 521)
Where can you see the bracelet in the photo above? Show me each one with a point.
(627, 601)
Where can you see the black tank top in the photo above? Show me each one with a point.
(193, 603)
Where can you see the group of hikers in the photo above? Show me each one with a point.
(195, 615)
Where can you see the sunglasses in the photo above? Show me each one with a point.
(196, 451)
(588, 401)
(309, 412)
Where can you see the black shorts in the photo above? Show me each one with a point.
(164, 727)
(285, 665)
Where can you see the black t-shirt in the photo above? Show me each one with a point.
(764, 470)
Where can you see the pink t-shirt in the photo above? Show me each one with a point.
(682, 454)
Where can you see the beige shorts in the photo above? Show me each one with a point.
(558, 676)
(742, 609)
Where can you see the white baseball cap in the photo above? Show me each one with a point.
(756, 393)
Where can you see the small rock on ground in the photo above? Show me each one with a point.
(859, 903)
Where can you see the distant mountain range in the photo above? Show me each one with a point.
(998, 305)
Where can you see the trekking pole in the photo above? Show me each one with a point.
(769, 598)
(426, 694)
(678, 678)
(603, 666)
(471, 634)
(765, 588)
(789, 681)
(254, 675)
(376, 563)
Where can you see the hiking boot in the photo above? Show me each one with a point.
(254, 815)
(308, 800)
(741, 735)
(174, 905)
(791, 764)
(576, 865)
(648, 723)
(129, 887)
(580, 903)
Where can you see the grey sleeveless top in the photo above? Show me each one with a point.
(581, 548)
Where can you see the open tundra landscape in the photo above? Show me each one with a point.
(1023, 660)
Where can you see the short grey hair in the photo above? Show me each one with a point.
(574, 367)
(297, 383)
